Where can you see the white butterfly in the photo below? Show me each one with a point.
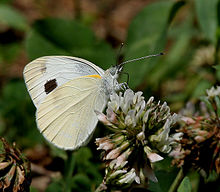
(66, 91)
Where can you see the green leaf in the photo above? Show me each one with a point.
(217, 67)
(85, 166)
(68, 37)
(217, 101)
(185, 186)
(201, 88)
(55, 186)
(37, 46)
(164, 181)
(57, 152)
(146, 35)
(171, 63)
(67, 34)
(17, 114)
(12, 18)
(194, 178)
(83, 155)
(213, 176)
(6, 1)
(207, 17)
(175, 9)
(165, 175)
(32, 189)
(81, 183)
(8, 52)
(207, 102)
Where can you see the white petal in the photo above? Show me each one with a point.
(154, 157)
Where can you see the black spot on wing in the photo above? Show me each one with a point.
(50, 85)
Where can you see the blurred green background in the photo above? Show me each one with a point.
(188, 32)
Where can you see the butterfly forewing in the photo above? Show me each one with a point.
(66, 116)
(45, 74)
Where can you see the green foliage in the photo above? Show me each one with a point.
(68, 37)
(217, 101)
(38, 46)
(207, 102)
(217, 72)
(12, 18)
(165, 174)
(164, 181)
(81, 183)
(207, 16)
(185, 185)
(17, 114)
(150, 37)
(212, 177)
(33, 189)
(80, 173)
(85, 167)
(9, 52)
(55, 186)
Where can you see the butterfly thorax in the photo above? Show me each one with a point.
(109, 81)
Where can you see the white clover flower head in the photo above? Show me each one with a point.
(141, 130)
(129, 177)
(213, 91)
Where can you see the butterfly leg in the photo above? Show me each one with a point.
(122, 87)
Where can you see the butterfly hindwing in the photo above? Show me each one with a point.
(66, 116)
(45, 74)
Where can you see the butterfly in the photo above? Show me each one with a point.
(66, 91)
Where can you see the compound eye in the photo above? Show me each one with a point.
(113, 71)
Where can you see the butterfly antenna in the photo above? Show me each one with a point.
(119, 53)
(140, 58)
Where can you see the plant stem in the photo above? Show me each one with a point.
(177, 181)
(68, 171)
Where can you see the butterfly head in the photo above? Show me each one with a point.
(115, 71)
(110, 83)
